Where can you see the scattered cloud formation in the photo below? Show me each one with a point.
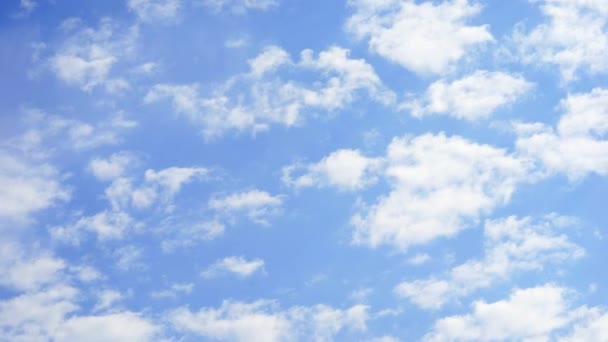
(473, 97)
(424, 37)
(577, 145)
(439, 185)
(571, 37)
(255, 205)
(87, 56)
(512, 246)
(528, 314)
(27, 187)
(155, 10)
(237, 321)
(254, 101)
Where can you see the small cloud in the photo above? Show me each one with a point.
(234, 265)
(419, 259)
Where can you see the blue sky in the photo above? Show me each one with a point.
(273, 170)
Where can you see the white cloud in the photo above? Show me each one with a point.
(112, 167)
(106, 225)
(425, 37)
(419, 259)
(155, 10)
(473, 97)
(147, 68)
(256, 205)
(237, 321)
(439, 186)
(87, 56)
(106, 299)
(27, 187)
(189, 235)
(573, 37)
(119, 327)
(46, 133)
(173, 178)
(343, 169)
(240, 6)
(28, 5)
(129, 258)
(175, 290)
(23, 269)
(156, 187)
(261, 97)
(270, 59)
(511, 246)
(527, 315)
(577, 146)
(49, 315)
(593, 327)
(236, 265)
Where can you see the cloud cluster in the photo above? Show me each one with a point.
(425, 37)
(512, 246)
(261, 97)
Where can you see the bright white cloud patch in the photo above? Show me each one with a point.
(112, 167)
(256, 205)
(48, 315)
(473, 97)
(87, 56)
(27, 187)
(255, 100)
(572, 37)
(234, 265)
(425, 37)
(236, 321)
(439, 186)
(343, 169)
(511, 246)
(528, 314)
(578, 145)
(27, 270)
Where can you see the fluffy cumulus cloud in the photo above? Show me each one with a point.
(424, 37)
(261, 97)
(27, 187)
(542, 313)
(238, 321)
(87, 56)
(112, 167)
(50, 315)
(439, 185)
(472, 97)
(571, 37)
(577, 145)
(238, 266)
(527, 315)
(343, 169)
(47, 304)
(511, 246)
(256, 205)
